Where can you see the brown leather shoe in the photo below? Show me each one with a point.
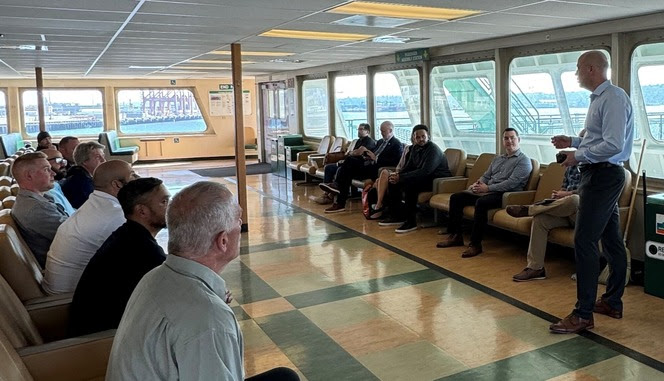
(517, 210)
(451, 241)
(471, 251)
(602, 307)
(572, 324)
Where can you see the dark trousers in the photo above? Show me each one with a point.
(330, 172)
(276, 374)
(597, 219)
(460, 200)
(409, 190)
(352, 168)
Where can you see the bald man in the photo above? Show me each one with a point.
(600, 155)
(80, 237)
(35, 212)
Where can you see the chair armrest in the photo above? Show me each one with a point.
(316, 161)
(518, 198)
(80, 358)
(449, 184)
(51, 317)
(304, 155)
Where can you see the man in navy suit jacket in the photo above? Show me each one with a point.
(386, 154)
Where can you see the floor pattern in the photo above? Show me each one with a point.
(335, 304)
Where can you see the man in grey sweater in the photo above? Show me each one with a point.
(507, 173)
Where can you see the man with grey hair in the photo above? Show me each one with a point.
(35, 212)
(177, 321)
(78, 184)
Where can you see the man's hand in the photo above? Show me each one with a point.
(479, 187)
(393, 178)
(570, 160)
(358, 151)
(558, 194)
(229, 297)
(370, 155)
(561, 141)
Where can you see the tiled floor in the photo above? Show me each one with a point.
(338, 298)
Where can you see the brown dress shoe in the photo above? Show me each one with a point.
(471, 251)
(602, 307)
(451, 240)
(517, 210)
(572, 324)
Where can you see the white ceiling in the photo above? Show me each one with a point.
(104, 37)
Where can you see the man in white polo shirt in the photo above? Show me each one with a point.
(80, 237)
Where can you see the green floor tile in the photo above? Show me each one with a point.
(312, 351)
(363, 288)
(294, 242)
(247, 287)
(541, 364)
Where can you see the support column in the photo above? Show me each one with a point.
(40, 99)
(240, 159)
(502, 96)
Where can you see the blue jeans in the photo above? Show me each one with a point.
(598, 219)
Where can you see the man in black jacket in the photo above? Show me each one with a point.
(425, 163)
(386, 154)
(129, 253)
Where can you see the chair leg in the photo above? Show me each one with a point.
(309, 180)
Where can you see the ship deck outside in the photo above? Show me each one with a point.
(336, 297)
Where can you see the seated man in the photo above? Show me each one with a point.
(58, 164)
(36, 214)
(78, 185)
(507, 173)
(79, 238)
(177, 324)
(66, 147)
(547, 216)
(386, 154)
(363, 140)
(120, 263)
(44, 141)
(426, 162)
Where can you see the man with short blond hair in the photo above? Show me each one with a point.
(78, 185)
(35, 212)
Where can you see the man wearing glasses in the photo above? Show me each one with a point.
(58, 166)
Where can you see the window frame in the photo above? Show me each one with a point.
(387, 69)
(209, 130)
(366, 100)
(5, 92)
(302, 105)
(22, 90)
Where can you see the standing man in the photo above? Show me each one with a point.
(600, 155)
(177, 324)
(508, 172)
(365, 165)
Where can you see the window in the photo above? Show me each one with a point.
(315, 108)
(3, 113)
(159, 111)
(648, 101)
(463, 107)
(397, 99)
(546, 100)
(350, 97)
(77, 112)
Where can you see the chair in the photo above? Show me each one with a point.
(5, 191)
(456, 162)
(444, 188)
(550, 180)
(314, 161)
(303, 156)
(14, 189)
(8, 202)
(5, 168)
(7, 219)
(320, 168)
(113, 150)
(10, 143)
(250, 141)
(18, 266)
(6, 181)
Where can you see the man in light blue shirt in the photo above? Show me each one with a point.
(58, 165)
(177, 324)
(599, 155)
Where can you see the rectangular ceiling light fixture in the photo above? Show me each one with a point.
(248, 53)
(312, 35)
(402, 11)
(199, 68)
(217, 62)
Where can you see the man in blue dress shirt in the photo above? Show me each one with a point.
(600, 155)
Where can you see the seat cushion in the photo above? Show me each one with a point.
(440, 201)
(520, 225)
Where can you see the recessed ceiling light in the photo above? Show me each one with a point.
(313, 35)
(391, 40)
(374, 21)
(402, 11)
(250, 53)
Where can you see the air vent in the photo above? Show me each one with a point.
(285, 60)
(375, 21)
(25, 47)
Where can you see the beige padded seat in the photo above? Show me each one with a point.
(15, 322)
(550, 180)
(303, 157)
(456, 162)
(8, 202)
(6, 181)
(5, 191)
(7, 219)
(445, 187)
(14, 189)
(18, 266)
(314, 160)
(5, 168)
(320, 169)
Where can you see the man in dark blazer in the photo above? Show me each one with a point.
(386, 154)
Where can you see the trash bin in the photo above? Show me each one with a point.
(654, 257)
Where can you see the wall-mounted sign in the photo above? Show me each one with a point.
(173, 82)
(226, 87)
(412, 56)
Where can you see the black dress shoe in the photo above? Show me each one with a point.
(517, 210)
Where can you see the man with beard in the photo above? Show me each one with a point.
(120, 263)
(58, 166)
(66, 147)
